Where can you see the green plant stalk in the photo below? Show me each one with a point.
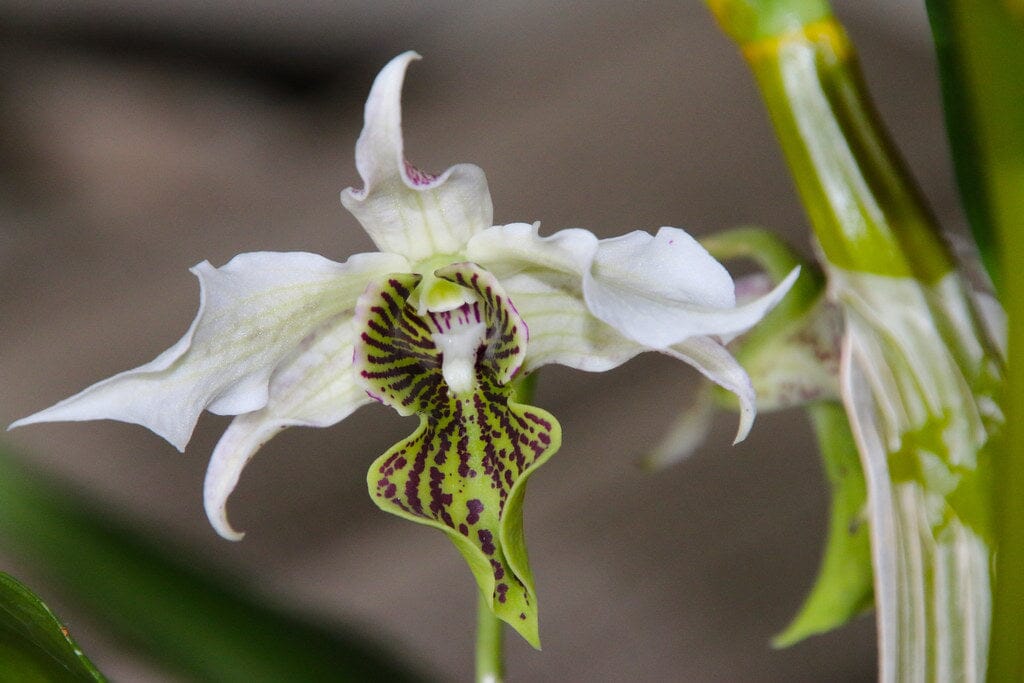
(195, 624)
(865, 212)
(489, 652)
(980, 46)
(920, 379)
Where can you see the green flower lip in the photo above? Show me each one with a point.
(464, 469)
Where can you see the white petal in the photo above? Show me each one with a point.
(543, 277)
(253, 312)
(715, 362)
(664, 289)
(562, 330)
(406, 211)
(315, 387)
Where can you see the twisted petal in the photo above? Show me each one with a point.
(549, 277)
(253, 312)
(464, 470)
(715, 362)
(664, 289)
(404, 210)
(314, 387)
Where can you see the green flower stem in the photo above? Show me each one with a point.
(921, 382)
(489, 651)
(980, 47)
(866, 213)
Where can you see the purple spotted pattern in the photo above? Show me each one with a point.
(460, 469)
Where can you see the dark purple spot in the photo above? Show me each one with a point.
(499, 571)
(486, 541)
(475, 507)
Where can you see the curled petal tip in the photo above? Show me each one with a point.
(403, 209)
(246, 434)
(223, 527)
(747, 414)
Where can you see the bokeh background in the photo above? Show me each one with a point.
(138, 138)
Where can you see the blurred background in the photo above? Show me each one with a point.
(139, 138)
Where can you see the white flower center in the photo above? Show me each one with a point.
(458, 334)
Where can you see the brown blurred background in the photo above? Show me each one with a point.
(139, 138)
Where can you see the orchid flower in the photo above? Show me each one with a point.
(437, 323)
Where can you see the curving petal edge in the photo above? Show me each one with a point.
(314, 387)
(253, 312)
(663, 289)
(403, 209)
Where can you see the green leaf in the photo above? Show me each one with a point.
(34, 645)
(843, 588)
(980, 46)
(980, 49)
(198, 624)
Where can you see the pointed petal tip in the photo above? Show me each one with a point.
(215, 501)
(223, 527)
(63, 412)
(747, 415)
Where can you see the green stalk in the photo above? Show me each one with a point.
(866, 213)
(980, 47)
(489, 651)
(920, 378)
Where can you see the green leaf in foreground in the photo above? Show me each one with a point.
(152, 596)
(34, 645)
(843, 588)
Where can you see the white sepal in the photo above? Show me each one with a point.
(687, 432)
(404, 210)
(253, 312)
(315, 387)
(660, 290)
(715, 362)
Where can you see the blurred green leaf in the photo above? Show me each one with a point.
(34, 645)
(980, 45)
(980, 49)
(192, 621)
